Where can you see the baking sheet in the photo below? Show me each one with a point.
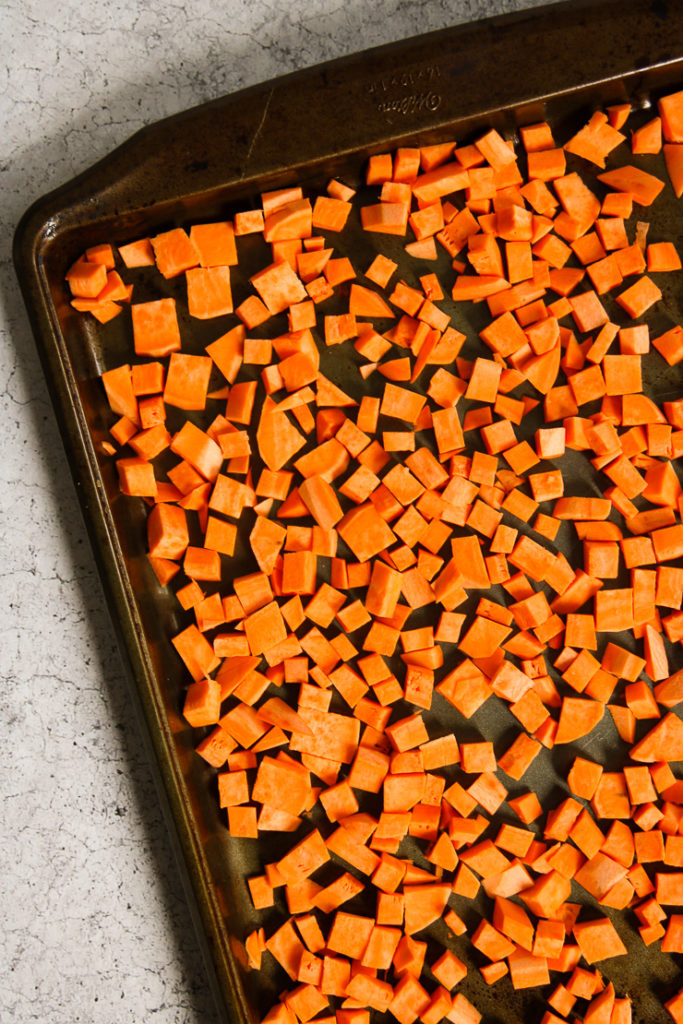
(558, 63)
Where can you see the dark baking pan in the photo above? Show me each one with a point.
(558, 62)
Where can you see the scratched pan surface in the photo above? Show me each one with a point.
(558, 63)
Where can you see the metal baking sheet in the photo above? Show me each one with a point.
(557, 63)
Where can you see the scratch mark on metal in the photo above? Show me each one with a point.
(259, 127)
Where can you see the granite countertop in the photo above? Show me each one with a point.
(95, 926)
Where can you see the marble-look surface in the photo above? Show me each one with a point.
(94, 927)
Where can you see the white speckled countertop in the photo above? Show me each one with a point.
(95, 928)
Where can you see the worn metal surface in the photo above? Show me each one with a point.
(558, 63)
